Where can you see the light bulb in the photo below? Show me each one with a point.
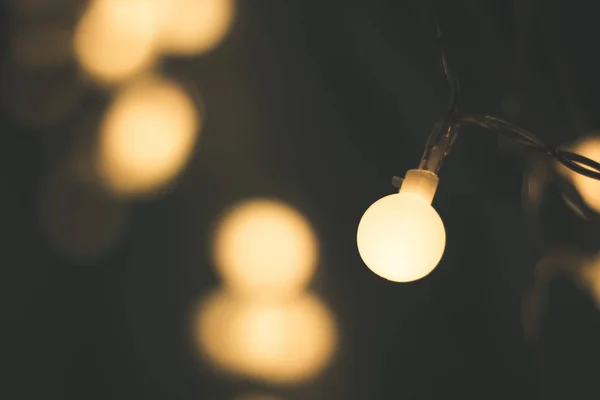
(401, 237)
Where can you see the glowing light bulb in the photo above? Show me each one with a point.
(401, 237)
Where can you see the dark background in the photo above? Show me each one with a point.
(319, 104)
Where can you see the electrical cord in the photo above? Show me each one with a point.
(573, 161)
(451, 77)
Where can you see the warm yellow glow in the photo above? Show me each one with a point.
(147, 136)
(194, 26)
(401, 237)
(279, 342)
(265, 248)
(588, 188)
(116, 39)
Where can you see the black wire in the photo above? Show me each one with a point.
(573, 161)
(451, 77)
(578, 163)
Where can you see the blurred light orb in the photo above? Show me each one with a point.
(401, 237)
(280, 342)
(265, 248)
(192, 27)
(588, 188)
(116, 39)
(147, 136)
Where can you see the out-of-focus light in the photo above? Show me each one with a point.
(116, 39)
(265, 248)
(80, 222)
(401, 237)
(278, 342)
(588, 188)
(147, 136)
(191, 27)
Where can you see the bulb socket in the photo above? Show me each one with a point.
(420, 183)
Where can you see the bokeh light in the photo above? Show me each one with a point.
(81, 223)
(277, 342)
(192, 27)
(265, 248)
(588, 188)
(147, 136)
(116, 39)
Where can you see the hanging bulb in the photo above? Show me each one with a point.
(401, 237)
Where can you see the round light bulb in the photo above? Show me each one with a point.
(401, 237)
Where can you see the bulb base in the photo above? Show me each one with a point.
(420, 183)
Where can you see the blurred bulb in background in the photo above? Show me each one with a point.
(588, 188)
(147, 136)
(192, 27)
(401, 237)
(265, 248)
(280, 342)
(116, 39)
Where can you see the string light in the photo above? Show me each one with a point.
(402, 238)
